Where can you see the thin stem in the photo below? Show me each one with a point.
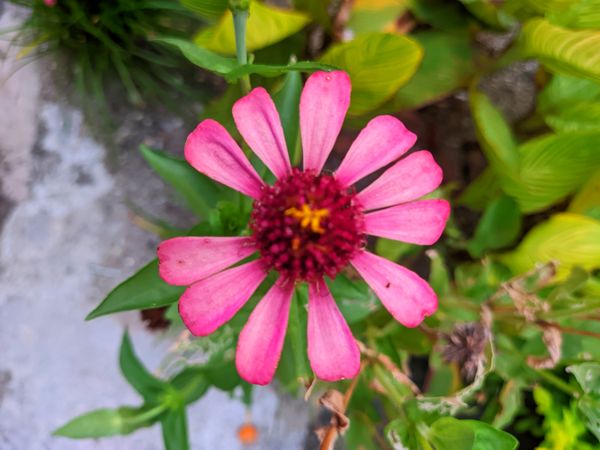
(240, 18)
(558, 383)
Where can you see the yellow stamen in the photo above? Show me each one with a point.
(308, 217)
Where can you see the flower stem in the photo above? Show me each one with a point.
(240, 17)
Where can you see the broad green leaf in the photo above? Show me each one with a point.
(581, 117)
(375, 15)
(143, 290)
(199, 191)
(207, 9)
(568, 13)
(564, 90)
(148, 386)
(496, 137)
(562, 50)
(317, 9)
(449, 433)
(354, 298)
(174, 430)
(587, 199)
(401, 434)
(266, 25)
(394, 250)
(453, 52)
(191, 383)
(570, 239)
(590, 407)
(441, 14)
(554, 166)
(499, 227)
(200, 56)
(588, 376)
(287, 101)
(489, 13)
(378, 65)
(108, 422)
(481, 191)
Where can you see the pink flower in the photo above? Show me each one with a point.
(50, 3)
(307, 225)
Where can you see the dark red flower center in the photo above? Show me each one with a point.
(306, 225)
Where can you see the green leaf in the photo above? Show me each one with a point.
(287, 101)
(367, 15)
(207, 9)
(394, 250)
(449, 433)
(454, 53)
(588, 376)
(148, 386)
(496, 138)
(590, 408)
(191, 383)
(200, 56)
(569, 13)
(266, 25)
(317, 9)
(570, 239)
(143, 290)
(499, 227)
(489, 13)
(174, 430)
(354, 298)
(107, 422)
(200, 192)
(511, 400)
(441, 14)
(552, 167)
(562, 50)
(481, 191)
(581, 117)
(588, 197)
(566, 91)
(274, 70)
(378, 65)
(439, 278)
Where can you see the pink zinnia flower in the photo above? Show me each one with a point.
(50, 2)
(308, 225)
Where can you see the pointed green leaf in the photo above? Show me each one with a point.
(191, 383)
(564, 51)
(174, 430)
(207, 9)
(143, 290)
(449, 433)
(201, 56)
(148, 386)
(499, 227)
(378, 65)
(199, 191)
(266, 25)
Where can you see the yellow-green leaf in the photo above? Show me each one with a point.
(571, 239)
(378, 65)
(375, 15)
(587, 200)
(552, 167)
(570, 52)
(266, 25)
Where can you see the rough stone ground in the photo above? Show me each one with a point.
(66, 238)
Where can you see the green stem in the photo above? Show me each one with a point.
(149, 415)
(240, 18)
(558, 383)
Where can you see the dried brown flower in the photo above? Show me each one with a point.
(465, 346)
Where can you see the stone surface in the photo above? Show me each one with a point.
(67, 237)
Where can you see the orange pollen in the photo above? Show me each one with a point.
(308, 217)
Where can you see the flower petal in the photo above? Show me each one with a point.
(323, 105)
(410, 178)
(185, 260)
(382, 141)
(407, 297)
(421, 222)
(261, 340)
(257, 119)
(211, 150)
(332, 350)
(209, 303)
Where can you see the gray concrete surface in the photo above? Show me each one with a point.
(66, 238)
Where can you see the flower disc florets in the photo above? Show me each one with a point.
(306, 225)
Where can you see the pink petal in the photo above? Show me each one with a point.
(209, 303)
(257, 119)
(407, 297)
(332, 350)
(382, 141)
(323, 105)
(212, 151)
(410, 178)
(185, 260)
(421, 222)
(261, 340)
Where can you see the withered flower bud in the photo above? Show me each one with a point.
(465, 346)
